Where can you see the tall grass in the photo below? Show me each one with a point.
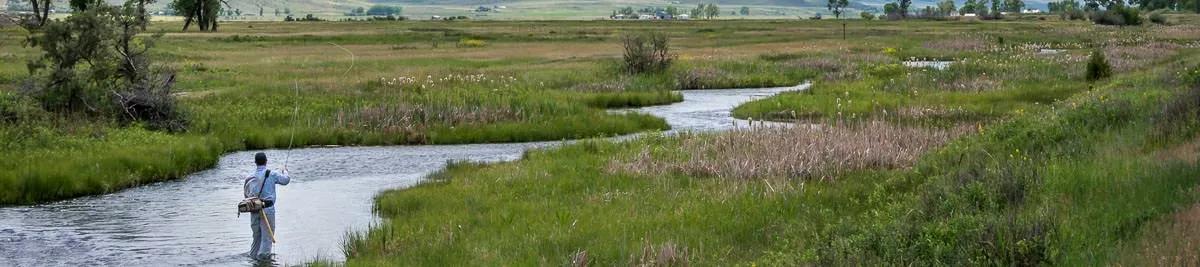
(801, 152)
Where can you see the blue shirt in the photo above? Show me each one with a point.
(268, 191)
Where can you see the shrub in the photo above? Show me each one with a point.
(1117, 16)
(1098, 67)
(867, 15)
(646, 53)
(1157, 17)
(1074, 14)
(468, 42)
(94, 63)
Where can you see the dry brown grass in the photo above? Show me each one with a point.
(805, 152)
(668, 254)
(958, 45)
(1126, 58)
(410, 118)
(698, 78)
(1178, 244)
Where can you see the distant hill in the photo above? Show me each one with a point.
(528, 9)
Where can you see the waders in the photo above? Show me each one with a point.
(270, 232)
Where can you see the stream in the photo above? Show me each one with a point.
(193, 221)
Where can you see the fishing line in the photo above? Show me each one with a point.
(296, 105)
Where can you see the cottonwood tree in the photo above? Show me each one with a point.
(903, 5)
(1014, 6)
(946, 7)
(836, 7)
(41, 12)
(968, 7)
(745, 11)
(711, 11)
(203, 12)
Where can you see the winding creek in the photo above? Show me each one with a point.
(192, 221)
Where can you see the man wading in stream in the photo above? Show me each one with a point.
(266, 179)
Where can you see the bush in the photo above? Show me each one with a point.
(1098, 67)
(93, 63)
(468, 42)
(1074, 14)
(647, 53)
(1118, 16)
(1157, 17)
(867, 16)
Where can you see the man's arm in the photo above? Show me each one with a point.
(282, 177)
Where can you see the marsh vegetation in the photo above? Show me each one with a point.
(1007, 156)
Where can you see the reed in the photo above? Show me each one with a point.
(800, 152)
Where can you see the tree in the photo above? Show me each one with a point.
(711, 11)
(80, 5)
(904, 5)
(892, 11)
(946, 7)
(203, 12)
(1014, 6)
(673, 11)
(276, 12)
(996, 7)
(627, 11)
(380, 10)
(698, 12)
(745, 11)
(1062, 6)
(968, 7)
(95, 63)
(866, 15)
(836, 7)
(41, 11)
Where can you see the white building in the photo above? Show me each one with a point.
(684, 17)
(1031, 11)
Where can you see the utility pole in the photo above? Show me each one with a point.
(843, 31)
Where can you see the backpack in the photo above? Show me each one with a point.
(254, 204)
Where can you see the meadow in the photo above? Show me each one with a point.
(1007, 157)
(277, 85)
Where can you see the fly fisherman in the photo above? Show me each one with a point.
(261, 184)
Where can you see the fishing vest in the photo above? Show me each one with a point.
(254, 204)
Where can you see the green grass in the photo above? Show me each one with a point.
(553, 204)
(255, 85)
(1064, 172)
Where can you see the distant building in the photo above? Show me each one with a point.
(1031, 11)
(436, 17)
(969, 15)
(684, 17)
(646, 16)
